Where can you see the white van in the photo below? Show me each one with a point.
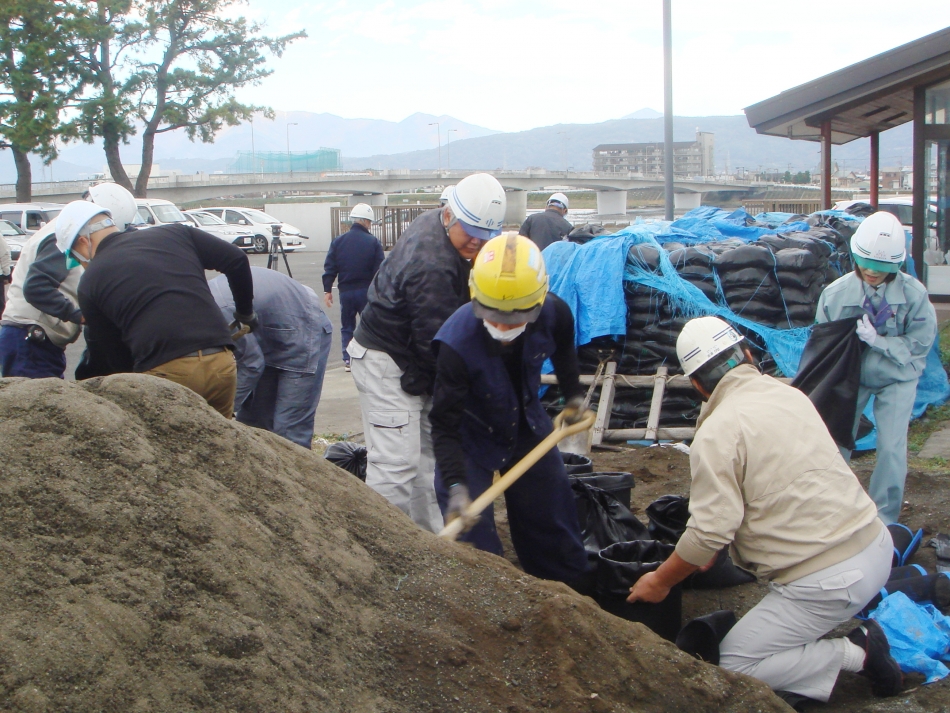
(157, 211)
(30, 217)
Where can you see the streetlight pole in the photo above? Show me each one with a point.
(448, 149)
(438, 133)
(668, 107)
(253, 152)
(289, 162)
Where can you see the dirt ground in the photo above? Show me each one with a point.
(157, 557)
(664, 470)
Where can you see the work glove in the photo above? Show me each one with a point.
(573, 410)
(866, 331)
(458, 504)
(248, 320)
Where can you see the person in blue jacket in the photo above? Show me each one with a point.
(899, 324)
(486, 414)
(281, 365)
(354, 257)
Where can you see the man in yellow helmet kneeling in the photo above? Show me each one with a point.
(486, 414)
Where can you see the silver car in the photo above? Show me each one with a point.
(233, 234)
(14, 237)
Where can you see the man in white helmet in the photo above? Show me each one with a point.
(354, 258)
(422, 282)
(444, 198)
(769, 483)
(898, 323)
(549, 225)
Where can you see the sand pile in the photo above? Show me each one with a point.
(155, 557)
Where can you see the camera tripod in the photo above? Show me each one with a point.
(277, 249)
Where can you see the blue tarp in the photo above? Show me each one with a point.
(918, 634)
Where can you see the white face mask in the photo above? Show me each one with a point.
(506, 336)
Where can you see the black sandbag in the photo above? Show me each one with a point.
(668, 517)
(764, 312)
(813, 243)
(801, 279)
(721, 575)
(722, 246)
(648, 349)
(796, 259)
(604, 520)
(586, 232)
(644, 255)
(750, 255)
(802, 315)
(672, 245)
(800, 296)
(350, 457)
(908, 571)
(635, 413)
(691, 256)
(773, 242)
(702, 636)
(617, 484)
(663, 332)
(829, 373)
(706, 285)
(766, 291)
(931, 588)
(745, 277)
(694, 271)
(860, 209)
(619, 567)
(577, 464)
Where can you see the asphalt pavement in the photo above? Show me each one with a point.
(339, 410)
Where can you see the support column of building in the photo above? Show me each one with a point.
(611, 202)
(687, 201)
(826, 164)
(516, 209)
(875, 166)
(374, 199)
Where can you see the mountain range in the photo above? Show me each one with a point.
(411, 143)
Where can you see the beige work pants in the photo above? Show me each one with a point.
(211, 376)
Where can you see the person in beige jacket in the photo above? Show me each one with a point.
(769, 482)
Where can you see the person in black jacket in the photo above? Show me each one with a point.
(548, 226)
(422, 282)
(355, 257)
(148, 307)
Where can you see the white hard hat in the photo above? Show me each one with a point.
(479, 203)
(879, 243)
(362, 211)
(72, 219)
(559, 198)
(702, 339)
(444, 198)
(117, 200)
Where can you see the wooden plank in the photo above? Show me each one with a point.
(639, 434)
(606, 404)
(656, 405)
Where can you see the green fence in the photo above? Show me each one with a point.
(283, 162)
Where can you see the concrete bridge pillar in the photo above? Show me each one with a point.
(687, 201)
(368, 198)
(517, 208)
(611, 202)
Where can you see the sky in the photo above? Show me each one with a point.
(512, 65)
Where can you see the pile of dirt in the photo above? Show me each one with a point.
(156, 557)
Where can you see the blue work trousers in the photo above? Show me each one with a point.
(352, 303)
(285, 402)
(35, 360)
(542, 516)
(893, 405)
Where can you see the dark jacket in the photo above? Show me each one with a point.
(355, 257)
(422, 282)
(146, 300)
(545, 228)
(485, 404)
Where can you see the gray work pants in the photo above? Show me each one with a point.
(400, 463)
(778, 641)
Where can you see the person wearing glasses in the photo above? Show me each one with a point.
(419, 286)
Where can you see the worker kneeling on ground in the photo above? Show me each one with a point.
(486, 414)
(768, 480)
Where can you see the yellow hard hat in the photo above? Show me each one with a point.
(508, 280)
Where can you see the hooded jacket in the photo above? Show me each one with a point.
(768, 479)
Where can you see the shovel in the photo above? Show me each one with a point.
(560, 432)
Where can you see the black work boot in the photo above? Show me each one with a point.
(879, 666)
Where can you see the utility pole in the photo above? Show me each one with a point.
(448, 149)
(253, 152)
(438, 133)
(289, 162)
(668, 107)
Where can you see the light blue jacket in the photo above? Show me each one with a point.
(292, 328)
(907, 335)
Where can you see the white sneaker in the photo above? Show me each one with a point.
(346, 367)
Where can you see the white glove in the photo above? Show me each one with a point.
(866, 331)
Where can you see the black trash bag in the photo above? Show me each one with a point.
(796, 259)
(584, 233)
(618, 569)
(604, 520)
(702, 636)
(829, 373)
(668, 517)
(577, 464)
(616, 484)
(750, 255)
(721, 575)
(348, 456)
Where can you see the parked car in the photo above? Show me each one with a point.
(30, 217)
(15, 238)
(259, 223)
(158, 211)
(235, 235)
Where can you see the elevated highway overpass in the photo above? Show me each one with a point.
(373, 186)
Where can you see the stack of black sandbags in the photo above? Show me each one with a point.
(749, 283)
